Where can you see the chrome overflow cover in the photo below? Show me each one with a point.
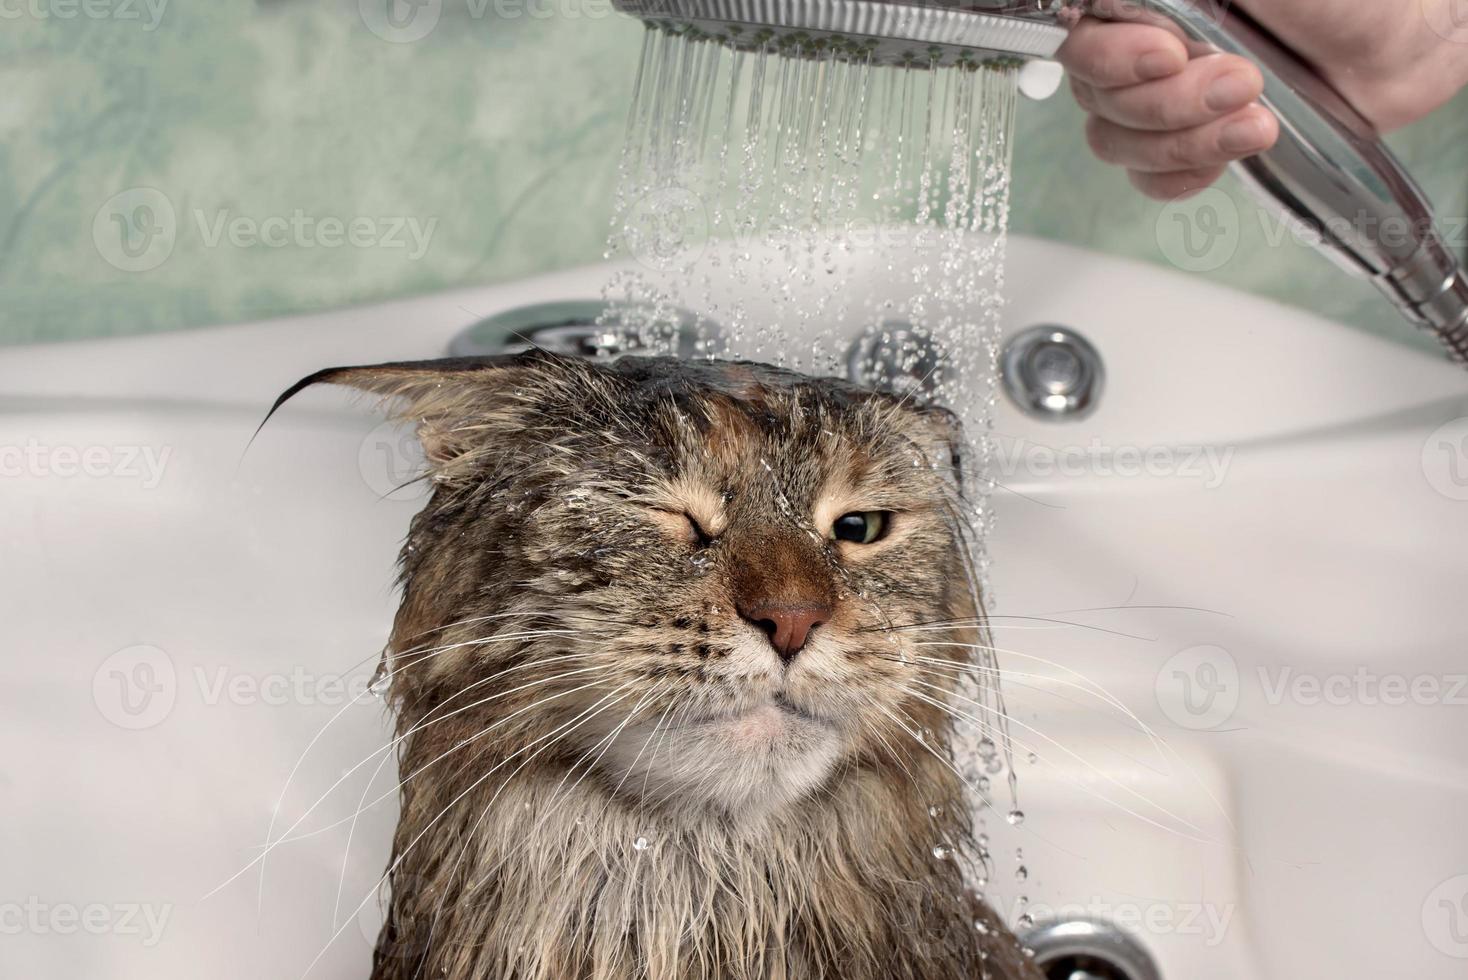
(587, 328)
(1052, 372)
(1088, 949)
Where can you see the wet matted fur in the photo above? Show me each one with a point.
(607, 771)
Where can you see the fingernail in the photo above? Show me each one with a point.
(1158, 64)
(1241, 136)
(1229, 91)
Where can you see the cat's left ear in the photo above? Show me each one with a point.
(456, 402)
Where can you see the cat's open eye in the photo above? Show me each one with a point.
(861, 527)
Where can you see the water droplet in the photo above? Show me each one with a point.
(935, 811)
(1015, 817)
(1021, 873)
(1026, 920)
(381, 678)
(942, 851)
(1034, 758)
(641, 844)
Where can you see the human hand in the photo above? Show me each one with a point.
(1176, 118)
(1173, 122)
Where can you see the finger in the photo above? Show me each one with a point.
(1112, 55)
(1176, 186)
(1241, 134)
(1209, 88)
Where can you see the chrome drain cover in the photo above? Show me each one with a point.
(586, 328)
(1052, 372)
(1088, 949)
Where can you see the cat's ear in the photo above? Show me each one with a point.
(456, 402)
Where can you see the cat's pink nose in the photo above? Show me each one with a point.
(788, 626)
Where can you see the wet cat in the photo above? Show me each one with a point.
(659, 717)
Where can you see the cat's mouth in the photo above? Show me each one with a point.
(782, 703)
(747, 756)
(771, 714)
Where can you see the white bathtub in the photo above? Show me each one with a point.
(180, 615)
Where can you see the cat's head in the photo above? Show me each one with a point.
(679, 577)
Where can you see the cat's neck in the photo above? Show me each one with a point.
(554, 879)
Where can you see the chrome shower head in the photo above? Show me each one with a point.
(921, 34)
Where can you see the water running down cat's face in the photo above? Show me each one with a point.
(650, 607)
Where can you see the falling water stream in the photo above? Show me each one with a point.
(792, 201)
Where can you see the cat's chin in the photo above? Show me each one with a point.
(745, 763)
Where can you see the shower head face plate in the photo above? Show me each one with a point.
(921, 35)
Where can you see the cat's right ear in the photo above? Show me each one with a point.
(456, 402)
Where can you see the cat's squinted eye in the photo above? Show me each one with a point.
(681, 527)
